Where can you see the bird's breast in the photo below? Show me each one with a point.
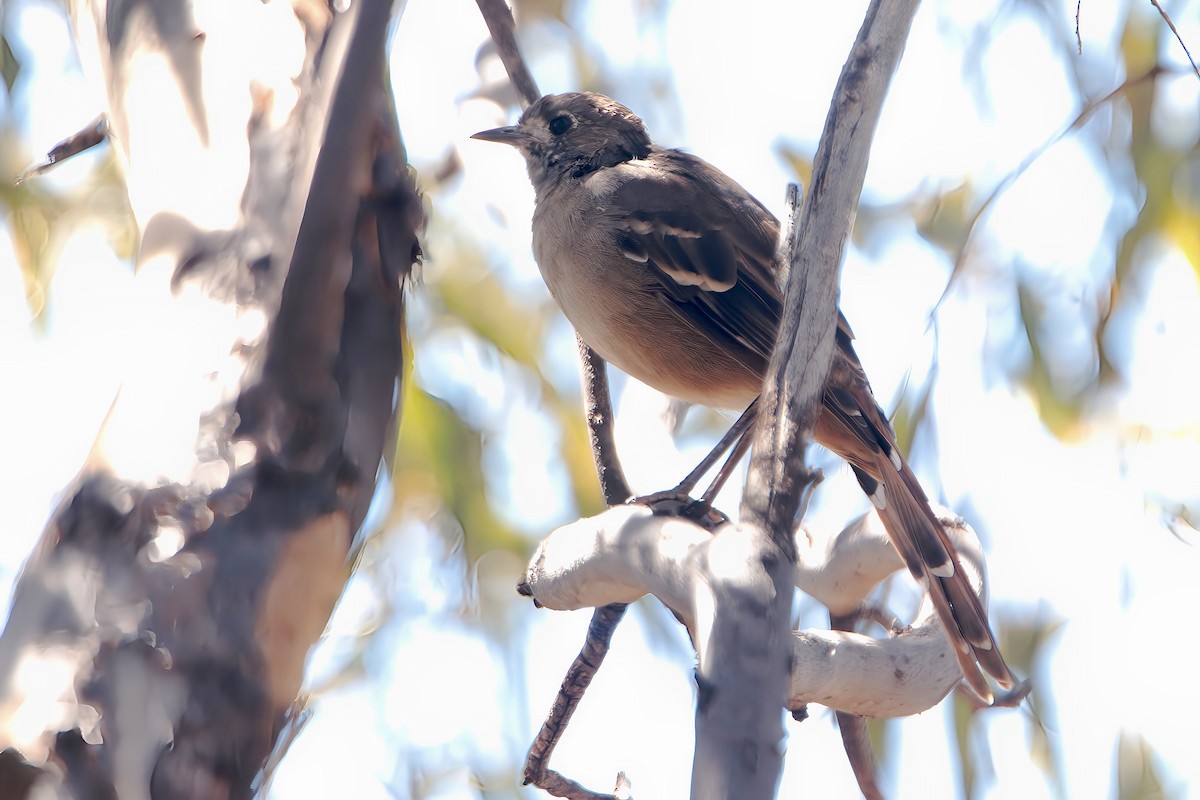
(620, 309)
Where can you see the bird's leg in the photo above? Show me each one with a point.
(735, 435)
(679, 501)
(702, 510)
(739, 450)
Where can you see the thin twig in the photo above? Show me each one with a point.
(960, 259)
(598, 408)
(604, 620)
(95, 133)
(855, 739)
(579, 676)
(613, 485)
(502, 27)
(1078, 39)
(556, 784)
(1178, 38)
(787, 233)
(857, 744)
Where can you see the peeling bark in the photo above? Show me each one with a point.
(177, 589)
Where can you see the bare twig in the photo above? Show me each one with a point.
(554, 783)
(95, 133)
(613, 485)
(855, 740)
(1167, 18)
(604, 619)
(787, 233)
(1082, 117)
(500, 24)
(598, 408)
(857, 744)
(1078, 39)
(579, 676)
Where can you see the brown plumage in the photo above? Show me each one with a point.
(665, 266)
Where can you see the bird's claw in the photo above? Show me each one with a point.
(675, 503)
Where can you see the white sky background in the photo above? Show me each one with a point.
(1073, 531)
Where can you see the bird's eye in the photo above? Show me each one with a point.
(560, 125)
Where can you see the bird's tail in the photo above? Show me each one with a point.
(921, 540)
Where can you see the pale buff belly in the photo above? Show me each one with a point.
(638, 329)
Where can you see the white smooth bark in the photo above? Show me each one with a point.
(628, 552)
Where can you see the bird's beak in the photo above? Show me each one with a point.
(512, 134)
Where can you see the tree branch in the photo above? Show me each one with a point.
(78, 142)
(791, 398)
(502, 27)
(614, 487)
(599, 411)
(628, 551)
(745, 648)
(187, 571)
(298, 386)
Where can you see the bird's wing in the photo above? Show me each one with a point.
(712, 252)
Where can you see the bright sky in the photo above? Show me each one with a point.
(1074, 532)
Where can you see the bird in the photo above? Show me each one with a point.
(666, 267)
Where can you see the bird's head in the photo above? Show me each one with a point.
(571, 135)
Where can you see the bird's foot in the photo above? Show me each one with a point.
(676, 503)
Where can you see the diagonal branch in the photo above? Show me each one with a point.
(78, 142)
(792, 394)
(502, 27)
(744, 646)
(614, 487)
(626, 552)
(187, 571)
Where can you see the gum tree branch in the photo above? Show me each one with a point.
(197, 556)
(628, 551)
(615, 489)
(745, 645)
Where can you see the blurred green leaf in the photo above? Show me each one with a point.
(882, 733)
(1062, 415)
(1023, 642)
(912, 412)
(945, 219)
(40, 220)
(32, 221)
(10, 67)
(438, 462)
(474, 297)
(1166, 213)
(799, 162)
(1183, 230)
(526, 10)
(109, 202)
(964, 723)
